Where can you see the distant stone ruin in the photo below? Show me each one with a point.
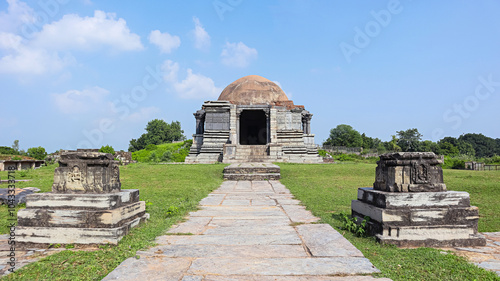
(86, 205)
(253, 121)
(409, 206)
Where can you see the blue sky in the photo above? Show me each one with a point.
(86, 73)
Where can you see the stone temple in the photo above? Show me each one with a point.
(253, 121)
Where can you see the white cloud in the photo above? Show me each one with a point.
(73, 32)
(18, 13)
(76, 102)
(24, 60)
(144, 114)
(50, 50)
(201, 37)
(164, 41)
(238, 54)
(10, 41)
(194, 86)
(170, 70)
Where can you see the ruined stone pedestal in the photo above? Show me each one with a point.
(410, 207)
(86, 205)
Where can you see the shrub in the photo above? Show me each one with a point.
(150, 147)
(458, 164)
(353, 225)
(176, 152)
(322, 152)
(37, 153)
(167, 156)
(107, 149)
(453, 163)
(153, 157)
(171, 211)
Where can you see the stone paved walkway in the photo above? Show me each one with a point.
(249, 230)
(487, 257)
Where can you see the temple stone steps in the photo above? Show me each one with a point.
(242, 159)
(249, 153)
(252, 171)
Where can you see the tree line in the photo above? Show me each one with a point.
(38, 153)
(157, 132)
(410, 140)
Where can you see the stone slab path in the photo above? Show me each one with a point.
(487, 257)
(249, 230)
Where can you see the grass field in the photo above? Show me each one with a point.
(326, 190)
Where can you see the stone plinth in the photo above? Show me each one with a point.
(252, 171)
(409, 172)
(410, 207)
(86, 205)
(86, 172)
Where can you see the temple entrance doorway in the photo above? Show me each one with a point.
(253, 127)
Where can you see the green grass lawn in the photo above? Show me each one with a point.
(327, 190)
(162, 186)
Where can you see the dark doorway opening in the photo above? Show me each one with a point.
(253, 127)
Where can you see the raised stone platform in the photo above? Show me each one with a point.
(86, 205)
(410, 207)
(252, 171)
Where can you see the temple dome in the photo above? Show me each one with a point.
(253, 90)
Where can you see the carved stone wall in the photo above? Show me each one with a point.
(86, 172)
(409, 172)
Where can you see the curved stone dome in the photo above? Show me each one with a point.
(254, 89)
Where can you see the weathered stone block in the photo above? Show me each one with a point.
(82, 201)
(86, 172)
(409, 172)
(74, 235)
(392, 200)
(431, 236)
(416, 216)
(80, 218)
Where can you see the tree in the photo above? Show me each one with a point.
(158, 132)
(451, 140)
(466, 148)
(37, 153)
(409, 140)
(483, 146)
(344, 135)
(174, 132)
(7, 150)
(15, 146)
(448, 149)
(429, 146)
(107, 149)
(367, 141)
(393, 144)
